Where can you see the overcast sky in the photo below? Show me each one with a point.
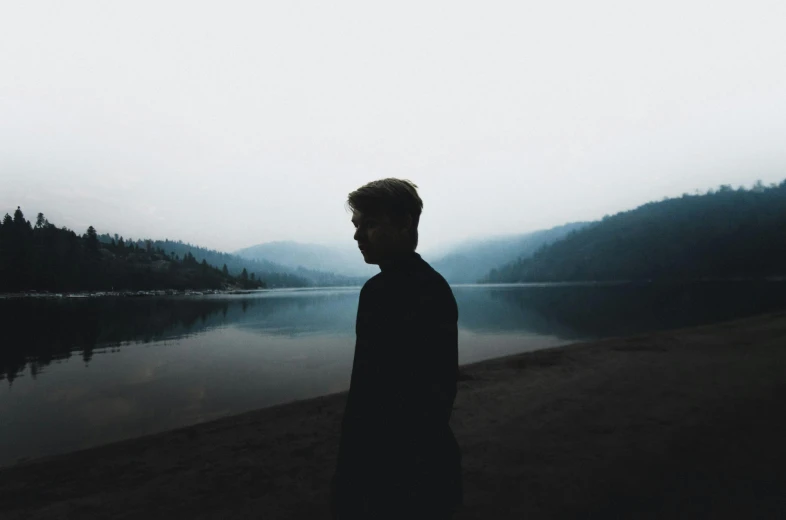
(228, 124)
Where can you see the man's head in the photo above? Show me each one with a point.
(386, 214)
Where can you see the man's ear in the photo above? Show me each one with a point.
(408, 223)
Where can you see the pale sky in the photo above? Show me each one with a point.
(229, 124)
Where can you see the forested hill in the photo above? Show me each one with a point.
(723, 233)
(274, 274)
(43, 257)
(473, 259)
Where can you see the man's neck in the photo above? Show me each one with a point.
(396, 259)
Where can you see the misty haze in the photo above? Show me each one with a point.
(196, 293)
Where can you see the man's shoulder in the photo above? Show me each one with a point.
(421, 290)
(432, 277)
(433, 294)
(372, 283)
(422, 277)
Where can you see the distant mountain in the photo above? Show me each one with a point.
(275, 274)
(344, 261)
(721, 234)
(473, 259)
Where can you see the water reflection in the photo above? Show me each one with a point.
(181, 360)
(38, 332)
(591, 311)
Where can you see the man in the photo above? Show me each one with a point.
(398, 457)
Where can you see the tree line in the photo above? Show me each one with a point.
(43, 257)
(274, 275)
(723, 233)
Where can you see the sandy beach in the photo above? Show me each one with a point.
(677, 424)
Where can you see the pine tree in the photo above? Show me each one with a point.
(19, 217)
(92, 239)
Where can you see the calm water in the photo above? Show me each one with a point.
(79, 373)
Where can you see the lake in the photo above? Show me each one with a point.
(76, 373)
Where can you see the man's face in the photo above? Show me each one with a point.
(378, 238)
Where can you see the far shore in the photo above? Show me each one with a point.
(157, 292)
(200, 292)
(683, 423)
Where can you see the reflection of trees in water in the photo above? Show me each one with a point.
(616, 310)
(39, 332)
(487, 310)
(36, 333)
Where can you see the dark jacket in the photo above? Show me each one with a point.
(397, 449)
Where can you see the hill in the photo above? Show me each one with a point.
(720, 234)
(344, 261)
(47, 258)
(276, 274)
(472, 260)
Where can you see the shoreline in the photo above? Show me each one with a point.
(202, 292)
(677, 422)
(44, 295)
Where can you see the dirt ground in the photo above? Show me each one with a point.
(676, 424)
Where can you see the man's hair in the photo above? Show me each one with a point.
(395, 198)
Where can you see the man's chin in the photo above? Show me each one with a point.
(368, 258)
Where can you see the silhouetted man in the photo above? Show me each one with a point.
(398, 457)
